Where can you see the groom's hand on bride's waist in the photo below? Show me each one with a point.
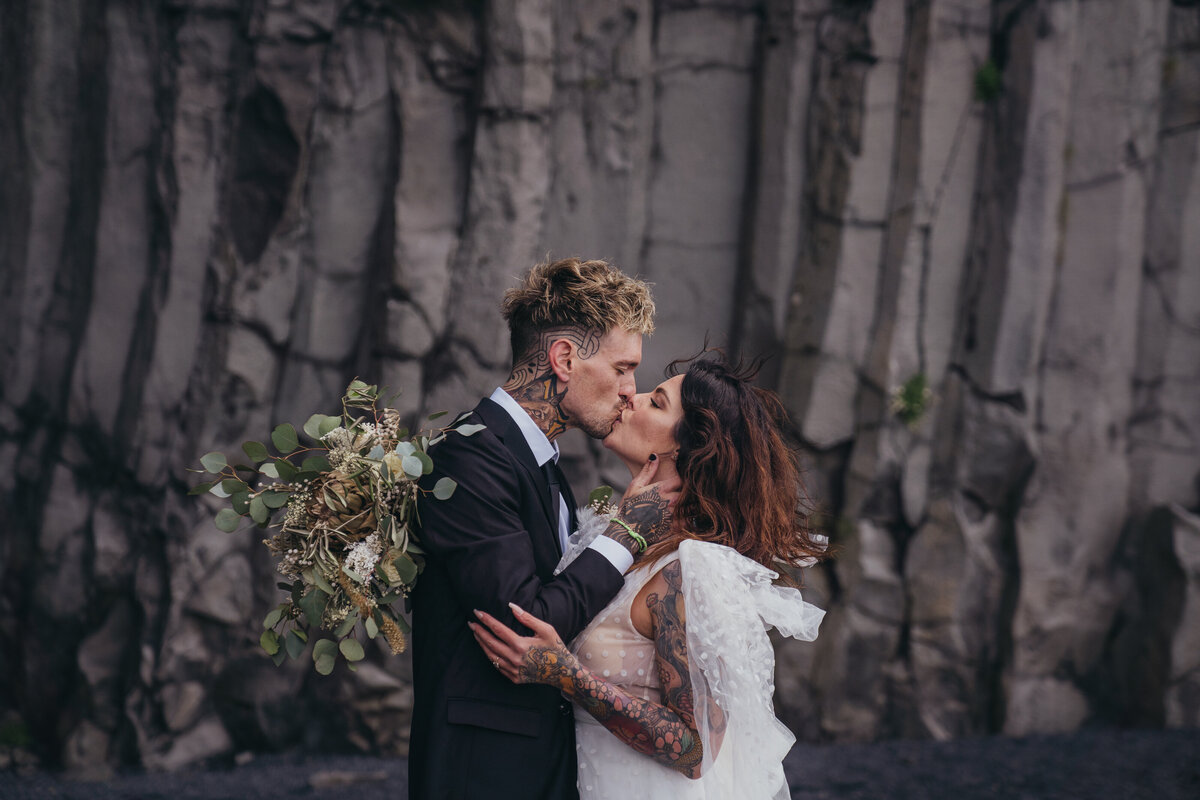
(644, 516)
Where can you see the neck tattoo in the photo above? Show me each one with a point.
(535, 387)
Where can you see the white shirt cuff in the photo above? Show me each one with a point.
(617, 555)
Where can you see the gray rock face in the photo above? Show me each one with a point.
(965, 231)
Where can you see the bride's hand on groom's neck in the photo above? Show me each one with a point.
(644, 517)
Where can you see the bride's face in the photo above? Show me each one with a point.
(648, 426)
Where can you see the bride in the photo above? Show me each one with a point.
(673, 681)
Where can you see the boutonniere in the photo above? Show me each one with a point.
(599, 500)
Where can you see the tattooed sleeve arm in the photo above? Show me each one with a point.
(667, 731)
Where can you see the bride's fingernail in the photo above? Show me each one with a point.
(478, 613)
(516, 608)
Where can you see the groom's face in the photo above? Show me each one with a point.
(602, 386)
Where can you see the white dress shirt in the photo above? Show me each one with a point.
(545, 450)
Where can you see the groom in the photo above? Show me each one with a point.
(576, 330)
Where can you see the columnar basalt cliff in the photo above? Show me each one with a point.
(966, 231)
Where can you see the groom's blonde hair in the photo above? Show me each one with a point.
(588, 295)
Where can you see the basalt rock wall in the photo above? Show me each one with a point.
(967, 232)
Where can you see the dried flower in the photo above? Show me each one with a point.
(363, 556)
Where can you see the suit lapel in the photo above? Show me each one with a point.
(501, 424)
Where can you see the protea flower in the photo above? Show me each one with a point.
(340, 504)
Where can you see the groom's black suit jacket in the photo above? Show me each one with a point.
(475, 734)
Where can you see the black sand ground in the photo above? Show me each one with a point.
(1093, 765)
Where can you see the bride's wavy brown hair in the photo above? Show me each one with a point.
(741, 483)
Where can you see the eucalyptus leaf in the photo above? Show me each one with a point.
(315, 464)
(354, 576)
(234, 485)
(318, 580)
(240, 502)
(407, 568)
(351, 649)
(470, 430)
(255, 451)
(279, 657)
(294, 644)
(218, 490)
(350, 665)
(200, 488)
(412, 466)
(437, 415)
(275, 499)
(228, 520)
(258, 510)
(214, 462)
(301, 634)
(405, 449)
(313, 425)
(269, 642)
(346, 626)
(325, 664)
(426, 462)
(273, 618)
(372, 627)
(284, 438)
(444, 488)
(269, 469)
(325, 647)
(284, 469)
(328, 424)
(600, 496)
(313, 605)
(376, 452)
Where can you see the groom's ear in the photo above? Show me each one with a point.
(562, 359)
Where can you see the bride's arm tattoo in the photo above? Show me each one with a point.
(666, 732)
(534, 385)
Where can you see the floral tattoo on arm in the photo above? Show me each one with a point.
(667, 731)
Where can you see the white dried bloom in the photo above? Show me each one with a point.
(338, 438)
(338, 457)
(363, 557)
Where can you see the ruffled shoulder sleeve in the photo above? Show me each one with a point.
(731, 603)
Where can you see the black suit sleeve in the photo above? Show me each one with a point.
(482, 540)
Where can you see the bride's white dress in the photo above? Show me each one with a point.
(730, 603)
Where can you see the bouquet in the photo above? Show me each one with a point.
(345, 515)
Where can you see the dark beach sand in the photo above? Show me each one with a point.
(1129, 765)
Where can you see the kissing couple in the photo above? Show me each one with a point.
(665, 690)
